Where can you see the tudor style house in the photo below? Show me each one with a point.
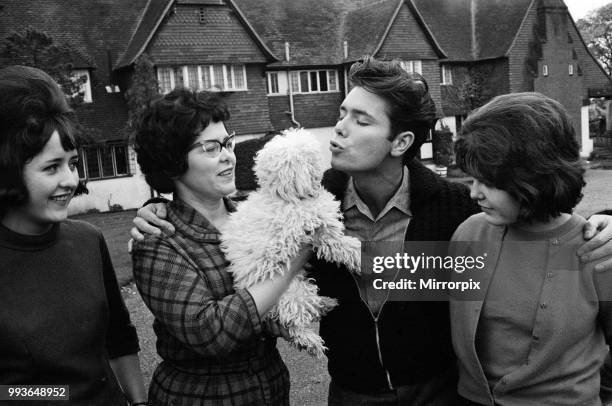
(283, 63)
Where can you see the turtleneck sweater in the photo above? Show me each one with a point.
(61, 313)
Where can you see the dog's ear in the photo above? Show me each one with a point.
(290, 166)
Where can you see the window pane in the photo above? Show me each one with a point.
(121, 159)
(192, 75)
(206, 81)
(239, 76)
(417, 67)
(91, 156)
(80, 166)
(178, 77)
(304, 82)
(314, 81)
(323, 77)
(295, 82)
(332, 80)
(218, 74)
(164, 79)
(273, 83)
(107, 161)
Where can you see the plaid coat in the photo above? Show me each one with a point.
(210, 336)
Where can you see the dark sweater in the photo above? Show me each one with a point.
(61, 313)
(414, 337)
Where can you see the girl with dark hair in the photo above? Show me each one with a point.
(62, 316)
(215, 349)
(539, 335)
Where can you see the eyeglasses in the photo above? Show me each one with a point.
(212, 148)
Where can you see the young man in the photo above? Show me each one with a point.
(382, 352)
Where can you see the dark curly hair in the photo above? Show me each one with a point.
(410, 106)
(32, 108)
(166, 130)
(525, 144)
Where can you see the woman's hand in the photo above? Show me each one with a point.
(150, 220)
(598, 231)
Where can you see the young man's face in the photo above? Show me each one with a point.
(363, 130)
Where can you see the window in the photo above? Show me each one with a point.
(103, 161)
(447, 75)
(570, 69)
(314, 81)
(165, 78)
(273, 83)
(412, 66)
(545, 70)
(82, 76)
(216, 77)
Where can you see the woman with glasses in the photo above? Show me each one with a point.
(210, 336)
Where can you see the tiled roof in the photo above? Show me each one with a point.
(474, 29)
(148, 22)
(311, 27)
(366, 26)
(153, 15)
(93, 29)
(90, 27)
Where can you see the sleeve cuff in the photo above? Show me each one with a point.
(252, 311)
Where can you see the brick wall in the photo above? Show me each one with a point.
(317, 110)
(249, 109)
(278, 106)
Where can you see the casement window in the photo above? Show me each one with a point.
(103, 161)
(218, 77)
(412, 66)
(314, 81)
(570, 69)
(447, 75)
(276, 83)
(85, 87)
(544, 70)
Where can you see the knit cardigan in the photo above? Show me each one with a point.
(414, 337)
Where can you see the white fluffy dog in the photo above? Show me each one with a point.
(290, 208)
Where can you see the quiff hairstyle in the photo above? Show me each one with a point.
(409, 104)
(32, 108)
(525, 144)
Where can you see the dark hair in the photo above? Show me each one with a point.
(525, 144)
(410, 105)
(32, 108)
(166, 130)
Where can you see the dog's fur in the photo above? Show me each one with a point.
(289, 209)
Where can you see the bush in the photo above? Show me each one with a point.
(442, 145)
(245, 153)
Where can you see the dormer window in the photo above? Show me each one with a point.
(82, 75)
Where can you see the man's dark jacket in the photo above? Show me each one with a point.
(414, 337)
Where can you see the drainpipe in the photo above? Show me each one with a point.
(291, 107)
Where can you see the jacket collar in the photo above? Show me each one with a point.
(190, 222)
